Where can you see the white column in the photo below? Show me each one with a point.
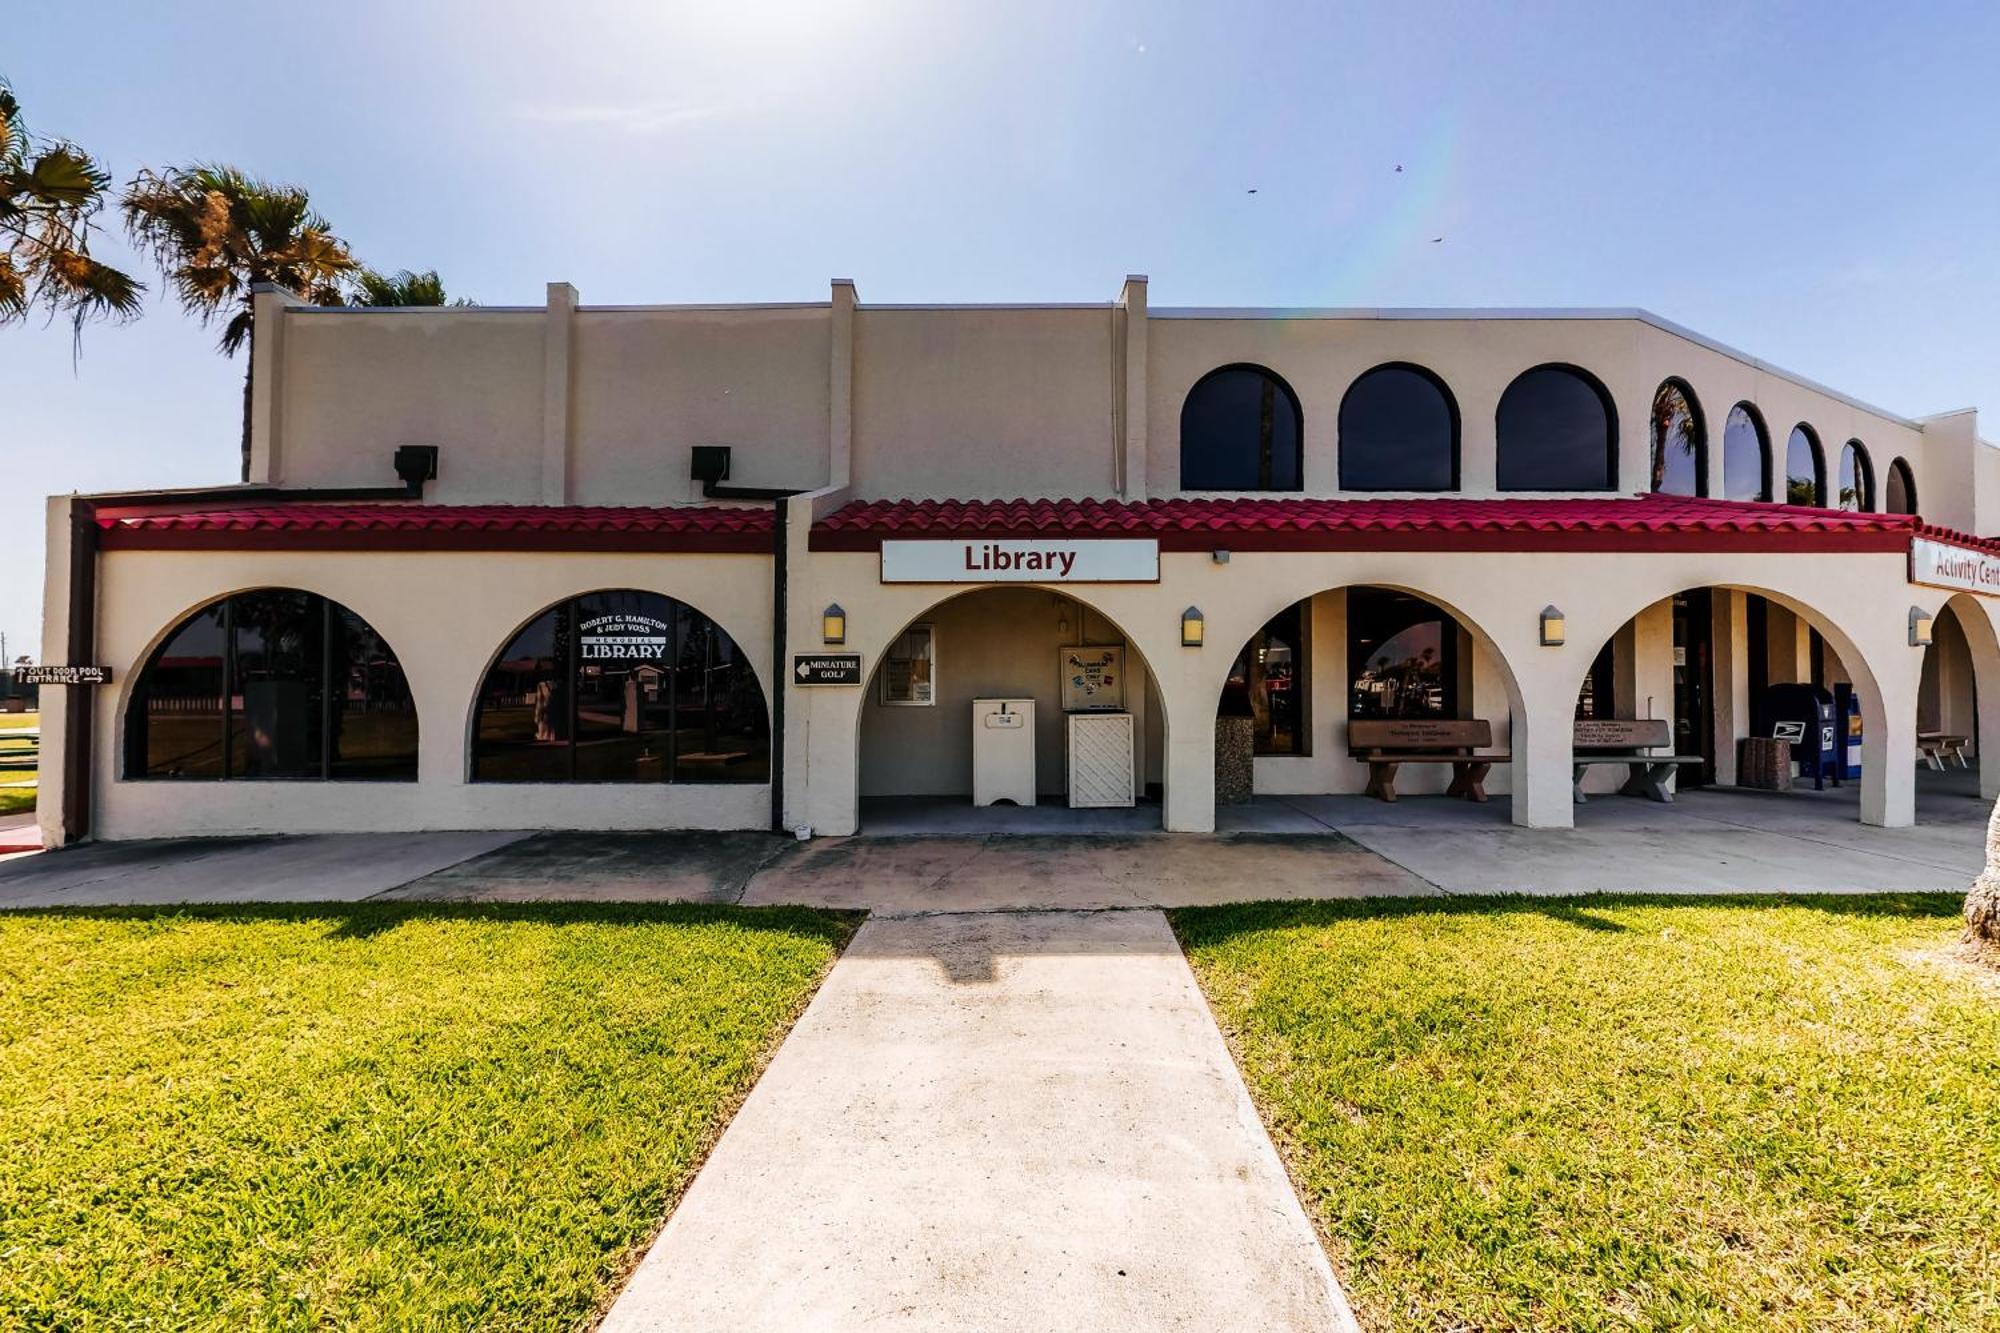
(1889, 738)
(556, 368)
(1730, 688)
(1131, 443)
(1543, 732)
(840, 385)
(54, 773)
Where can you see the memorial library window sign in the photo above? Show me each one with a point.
(621, 686)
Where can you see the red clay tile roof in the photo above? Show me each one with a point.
(303, 525)
(1650, 522)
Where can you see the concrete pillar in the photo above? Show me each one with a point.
(1478, 457)
(557, 372)
(1730, 695)
(840, 386)
(1543, 732)
(1889, 739)
(57, 701)
(267, 377)
(1130, 469)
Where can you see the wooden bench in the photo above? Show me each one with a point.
(1933, 747)
(1386, 744)
(1628, 741)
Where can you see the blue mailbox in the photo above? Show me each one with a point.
(1803, 715)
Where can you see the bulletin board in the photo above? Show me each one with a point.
(1092, 678)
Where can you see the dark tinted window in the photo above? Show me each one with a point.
(1680, 446)
(1857, 479)
(274, 683)
(1899, 493)
(1805, 469)
(621, 686)
(1398, 432)
(1271, 681)
(1556, 432)
(1402, 656)
(1240, 431)
(1745, 456)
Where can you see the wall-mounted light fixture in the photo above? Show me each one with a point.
(1922, 626)
(833, 624)
(1554, 628)
(1192, 627)
(1219, 557)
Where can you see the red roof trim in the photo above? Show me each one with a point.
(388, 527)
(1643, 523)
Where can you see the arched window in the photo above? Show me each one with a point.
(275, 683)
(1556, 431)
(1241, 430)
(1398, 432)
(1805, 468)
(1680, 442)
(1899, 492)
(621, 686)
(1857, 479)
(1746, 455)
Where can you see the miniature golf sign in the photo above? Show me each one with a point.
(827, 668)
(62, 675)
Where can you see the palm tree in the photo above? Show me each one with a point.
(403, 288)
(49, 192)
(1982, 901)
(216, 233)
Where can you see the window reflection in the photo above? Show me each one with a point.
(1240, 431)
(1745, 456)
(1680, 448)
(1556, 432)
(1270, 681)
(621, 686)
(1805, 469)
(1402, 655)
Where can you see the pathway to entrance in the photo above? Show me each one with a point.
(1021, 1120)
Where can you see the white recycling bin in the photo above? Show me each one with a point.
(1003, 751)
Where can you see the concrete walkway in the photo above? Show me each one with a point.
(1018, 1121)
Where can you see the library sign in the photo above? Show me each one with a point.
(1008, 560)
(1943, 565)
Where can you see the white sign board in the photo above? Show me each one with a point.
(1022, 560)
(1942, 565)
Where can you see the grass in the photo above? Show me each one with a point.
(379, 1116)
(15, 799)
(1629, 1114)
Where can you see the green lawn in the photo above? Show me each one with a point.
(1629, 1114)
(13, 799)
(381, 1116)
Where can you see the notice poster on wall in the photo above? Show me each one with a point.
(1093, 679)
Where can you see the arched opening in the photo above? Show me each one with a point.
(1746, 455)
(1899, 495)
(1963, 656)
(1241, 430)
(939, 751)
(1694, 692)
(1340, 674)
(1857, 479)
(273, 683)
(1556, 430)
(621, 685)
(1805, 468)
(1398, 432)
(1680, 441)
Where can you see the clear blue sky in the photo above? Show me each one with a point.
(1816, 183)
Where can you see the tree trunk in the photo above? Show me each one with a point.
(1982, 900)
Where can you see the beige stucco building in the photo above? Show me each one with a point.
(576, 612)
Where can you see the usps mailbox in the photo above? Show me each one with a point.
(1803, 715)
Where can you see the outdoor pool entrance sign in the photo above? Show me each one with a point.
(62, 675)
(1022, 560)
(827, 668)
(1943, 565)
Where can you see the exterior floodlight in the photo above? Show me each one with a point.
(1192, 627)
(1922, 623)
(1554, 629)
(833, 624)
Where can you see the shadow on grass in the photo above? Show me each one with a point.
(1199, 926)
(364, 920)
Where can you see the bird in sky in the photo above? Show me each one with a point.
(1436, 240)
(1399, 168)
(1253, 190)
